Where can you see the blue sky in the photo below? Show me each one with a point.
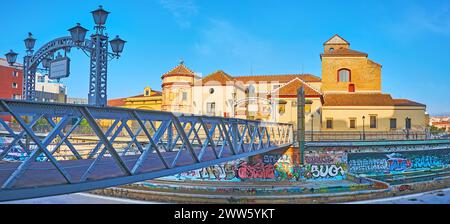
(411, 39)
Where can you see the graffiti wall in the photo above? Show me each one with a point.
(274, 166)
(398, 162)
(326, 163)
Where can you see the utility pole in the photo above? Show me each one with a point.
(301, 123)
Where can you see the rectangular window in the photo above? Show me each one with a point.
(211, 108)
(408, 123)
(16, 96)
(329, 123)
(15, 74)
(14, 85)
(373, 121)
(184, 96)
(393, 123)
(352, 123)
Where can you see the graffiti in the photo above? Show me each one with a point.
(256, 171)
(327, 171)
(367, 166)
(218, 172)
(284, 169)
(310, 172)
(318, 159)
(325, 158)
(426, 162)
(405, 188)
(273, 159)
(398, 162)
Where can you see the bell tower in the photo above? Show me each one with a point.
(177, 89)
(345, 70)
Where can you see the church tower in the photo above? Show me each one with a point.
(348, 71)
(177, 89)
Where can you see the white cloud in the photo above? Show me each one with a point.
(182, 10)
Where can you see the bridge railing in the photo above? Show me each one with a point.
(77, 142)
(321, 136)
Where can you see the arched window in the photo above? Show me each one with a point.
(344, 75)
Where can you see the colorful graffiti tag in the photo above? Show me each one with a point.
(398, 162)
(274, 167)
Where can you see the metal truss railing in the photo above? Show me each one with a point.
(125, 145)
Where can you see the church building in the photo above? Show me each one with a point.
(347, 97)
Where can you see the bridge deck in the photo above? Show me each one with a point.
(43, 174)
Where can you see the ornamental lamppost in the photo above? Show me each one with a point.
(96, 48)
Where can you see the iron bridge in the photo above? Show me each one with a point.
(50, 148)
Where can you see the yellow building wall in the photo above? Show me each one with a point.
(172, 95)
(144, 103)
(365, 74)
(290, 113)
(341, 118)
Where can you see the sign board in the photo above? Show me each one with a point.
(59, 68)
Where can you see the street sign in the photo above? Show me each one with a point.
(59, 68)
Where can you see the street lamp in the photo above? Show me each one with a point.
(11, 57)
(78, 33)
(100, 15)
(29, 42)
(364, 131)
(117, 45)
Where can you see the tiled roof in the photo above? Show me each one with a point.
(441, 123)
(116, 102)
(221, 78)
(218, 76)
(357, 99)
(181, 69)
(344, 52)
(291, 88)
(406, 102)
(277, 78)
(365, 99)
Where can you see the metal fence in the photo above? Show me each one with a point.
(322, 136)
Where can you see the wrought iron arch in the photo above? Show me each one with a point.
(57, 44)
